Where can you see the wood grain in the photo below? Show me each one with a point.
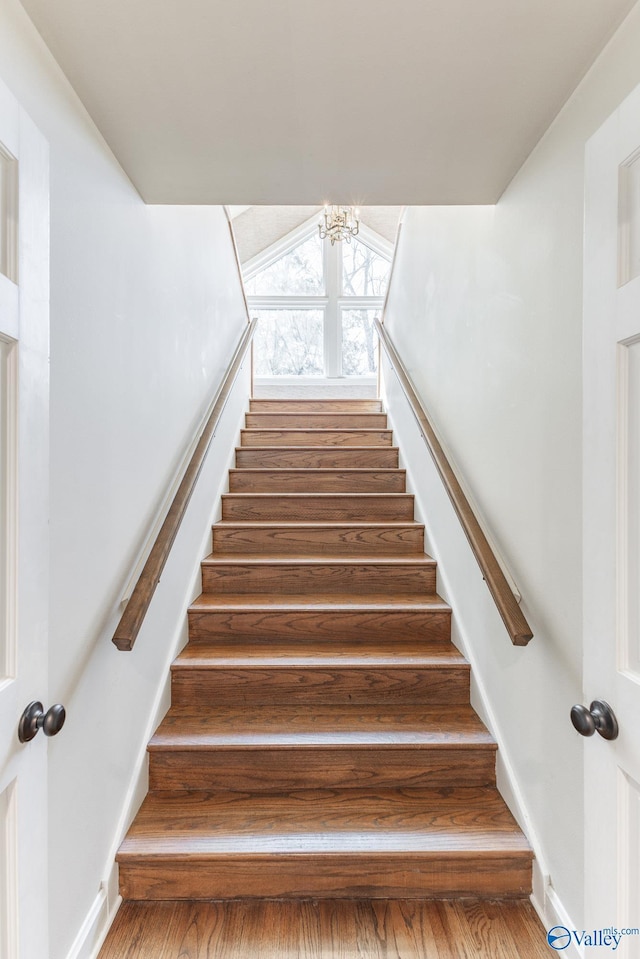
(319, 673)
(317, 481)
(321, 743)
(333, 539)
(309, 419)
(317, 457)
(315, 406)
(319, 437)
(392, 875)
(347, 507)
(336, 617)
(289, 726)
(327, 929)
(300, 767)
(285, 748)
(337, 843)
(413, 821)
(249, 574)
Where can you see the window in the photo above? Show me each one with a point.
(316, 304)
(359, 354)
(364, 272)
(289, 343)
(299, 271)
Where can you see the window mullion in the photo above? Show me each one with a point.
(332, 262)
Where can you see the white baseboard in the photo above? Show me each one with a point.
(552, 913)
(98, 920)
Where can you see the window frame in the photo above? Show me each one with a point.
(332, 303)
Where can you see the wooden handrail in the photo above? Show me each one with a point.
(135, 611)
(503, 596)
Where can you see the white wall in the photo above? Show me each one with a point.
(485, 309)
(145, 311)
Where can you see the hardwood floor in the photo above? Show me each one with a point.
(321, 761)
(327, 929)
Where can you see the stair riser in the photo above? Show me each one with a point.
(353, 457)
(295, 507)
(330, 876)
(323, 421)
(286, 770)
(316, 437)
(362, 625)
(354, 541)
(315, 406)
(318, 579)
(368, 686)
(310, 481)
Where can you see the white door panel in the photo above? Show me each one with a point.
(24, 453)
(612, 521)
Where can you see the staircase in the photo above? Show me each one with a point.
(320, 742)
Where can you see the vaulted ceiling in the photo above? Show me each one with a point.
(257, 227)
(304, 101)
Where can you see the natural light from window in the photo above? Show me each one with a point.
(316, 304)
(288, 343)
(298, 272)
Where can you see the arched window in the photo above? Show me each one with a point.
(316, 304)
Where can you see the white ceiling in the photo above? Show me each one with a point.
(306, 101)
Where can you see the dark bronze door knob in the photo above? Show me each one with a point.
(599, 718)
(34, 718)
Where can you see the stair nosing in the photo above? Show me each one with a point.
(317, 469)
(253, 559)
(300, 814)
(312, 494)
(323, 524)
(253, 601)
(312, 448)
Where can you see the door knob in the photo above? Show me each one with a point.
(598, 718)
(34, 718)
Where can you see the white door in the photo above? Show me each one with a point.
(24, 453)
(612, 524)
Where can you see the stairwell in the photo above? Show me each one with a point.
(320, 743)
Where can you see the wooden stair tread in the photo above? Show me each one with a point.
(314, 405)
(321, 741)
(301, 456)
(348, 506)
(285, 654)
(327, 929)
(317, 524)
(324, 470)
(340, 415)
(329, 823)
(319, 430)
(377, 602)
(316, 479)
(312, 436)
(311, 447)
(321, 495)
(312, 419)
(278, 727)
(253, 559)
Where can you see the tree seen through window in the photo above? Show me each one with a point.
(316, 306)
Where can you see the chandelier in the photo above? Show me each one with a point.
(340, 223)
